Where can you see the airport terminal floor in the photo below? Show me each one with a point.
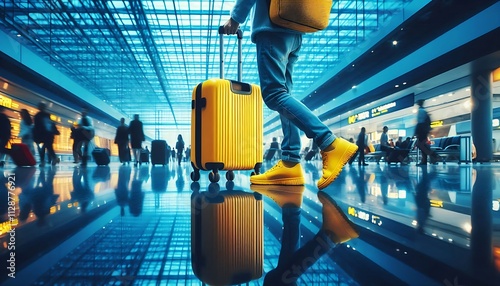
(121, 225)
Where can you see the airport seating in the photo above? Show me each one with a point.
(376, 155)
(448, 148)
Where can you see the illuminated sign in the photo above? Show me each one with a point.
(366, 216)
(404, 102)
(496, 75)
(5, 101)
(383, 109)
(496, 205)
(358, 117)
(436, 123)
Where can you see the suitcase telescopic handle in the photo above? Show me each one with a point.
(239, 34)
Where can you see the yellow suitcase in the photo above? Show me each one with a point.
(301, 15)
(227, 237)
(226, 124)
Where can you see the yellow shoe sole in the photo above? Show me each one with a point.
(298, 181)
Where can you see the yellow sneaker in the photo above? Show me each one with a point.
(335, 223)
(283, 195)
(334, 160)
(279, 174)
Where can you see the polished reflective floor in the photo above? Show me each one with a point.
(120, 225)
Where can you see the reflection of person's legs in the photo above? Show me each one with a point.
(291, 233)
(336, 229)
(276, 56)
(289, 272)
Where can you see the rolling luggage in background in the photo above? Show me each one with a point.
(128, 155)
(226, 122)
(21, 155)
(159, 152)
(397, 156)
(144, 157)
(101, 156)
(227, 237)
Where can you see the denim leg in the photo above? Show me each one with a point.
(291, 233)
(276, 56)
(290, 145)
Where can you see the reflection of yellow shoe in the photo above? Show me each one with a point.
(290, 196)
(335, 223)
(280, 174)
(334, 160)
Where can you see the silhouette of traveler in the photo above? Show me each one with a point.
(180, 148)
(122, 140)
(44, 130)
(277, 51)
(5, 133)
(26, 130)
(422, 131)
(86, 127)
(362, 143)
(136, 132)
(385, 146)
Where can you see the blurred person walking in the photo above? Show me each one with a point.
(26, 130)
(44, 131)
(122, 140)
(422, 132)
(5, 133)
(180, 148)
(136, 131)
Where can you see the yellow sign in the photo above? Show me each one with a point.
(496, 75)
(5, 101)
(436, 123)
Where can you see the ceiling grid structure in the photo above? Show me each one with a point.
(146, 57)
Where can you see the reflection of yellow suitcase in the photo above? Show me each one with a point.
(226, 125)
(227, 237)
(301, 15)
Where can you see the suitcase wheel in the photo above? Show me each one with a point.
(214, 177)
(195, 175)
(230, 175)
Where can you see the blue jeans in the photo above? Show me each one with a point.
(276, 56)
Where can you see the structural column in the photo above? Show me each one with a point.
(482, 114)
